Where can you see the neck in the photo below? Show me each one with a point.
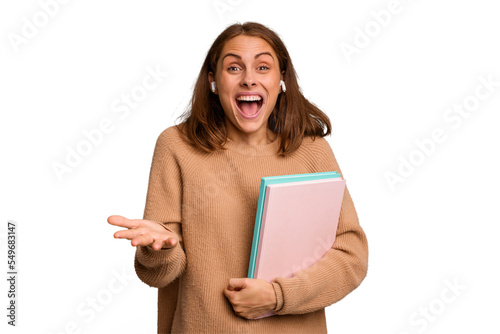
(261, 137)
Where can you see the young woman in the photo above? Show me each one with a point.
(247, 119)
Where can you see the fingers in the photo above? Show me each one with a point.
(128, 234)
(237, 283)
(248, 297)
(170, 243)
(164, 243)
(142, 240)
(229, 295)
(144, 237)
(156, 243)
(118, 220)
(123, 222)
(143, 232)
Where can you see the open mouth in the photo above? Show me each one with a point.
(249, 106)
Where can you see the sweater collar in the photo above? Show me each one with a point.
(250, 150)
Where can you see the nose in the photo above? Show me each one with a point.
(248, 79)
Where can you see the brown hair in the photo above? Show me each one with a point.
(292, 118)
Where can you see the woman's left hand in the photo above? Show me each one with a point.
(250, 297)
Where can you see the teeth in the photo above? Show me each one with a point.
(249, 98)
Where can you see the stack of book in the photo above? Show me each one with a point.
(295, 224)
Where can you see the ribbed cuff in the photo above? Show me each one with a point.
(279, 296)
(151, 258)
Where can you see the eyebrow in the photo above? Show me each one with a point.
(256, 56)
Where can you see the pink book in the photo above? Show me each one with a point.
(299, 225)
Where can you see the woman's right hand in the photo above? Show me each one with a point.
(144, 232)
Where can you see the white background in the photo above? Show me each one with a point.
(438, 227)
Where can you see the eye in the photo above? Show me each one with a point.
(233, 69)
(263, 68)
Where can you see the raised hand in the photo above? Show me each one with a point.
(144, 232)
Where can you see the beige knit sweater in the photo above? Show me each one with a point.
(210, 201)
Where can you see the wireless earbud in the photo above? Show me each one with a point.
(282, 84)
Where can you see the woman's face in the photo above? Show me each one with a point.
(248, 83)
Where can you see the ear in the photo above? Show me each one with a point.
(210, 80)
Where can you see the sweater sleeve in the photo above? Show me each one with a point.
(157, 268)
(343, 267)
